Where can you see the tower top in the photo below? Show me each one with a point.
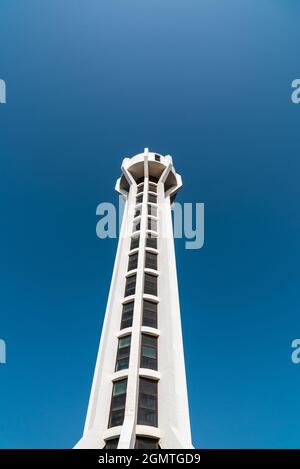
(149, 165)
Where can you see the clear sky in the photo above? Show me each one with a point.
(208, 82)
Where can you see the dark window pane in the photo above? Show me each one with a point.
(130, 285)
(123, 353)
(133, 261)
(152, 198)
(152, 210)
(151, 261)
(119, 387)
(135, 242)
(127, 315)
(136, 226)
(123, 363)
(116, 418)
(151, 241)
(126, 320)
(139, 198)
(152, 187)
(143, 442)
(147, 409)
(140, 189)
(152, 224)
(118, 400)
(150, 284)
(149, 352)
(124, 341)
(157, 157)
(147, 417)
(148, 340)
(148, 386)
(148, 402)
(113, 443)
(153, 179)
(138, 212)
(138, 181)
(149, 314)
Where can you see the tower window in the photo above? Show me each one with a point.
(122, 361)
(151, 261)
(149, 314)
(140, 188)
(150, 284)
(139, 198)
(138, 212)
(152, 210)
(152, 224)
(133, 261)
(118, 400)
(130, 285)
(153, 179)
(112, 443)
(139, 180)
(152, 198)
(136, 226)
(157, 157)
(135, 241)
(143, 442)
(127, 315)
(147, 409)
(152, 187)
(149, 352)
(151, 241)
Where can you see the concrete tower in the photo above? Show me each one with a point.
(139, 395)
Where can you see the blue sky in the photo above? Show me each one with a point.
(209, 83)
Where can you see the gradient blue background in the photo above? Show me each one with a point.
(209, 82)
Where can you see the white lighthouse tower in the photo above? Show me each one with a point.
(139, 394)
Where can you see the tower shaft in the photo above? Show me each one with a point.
(139, 394)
